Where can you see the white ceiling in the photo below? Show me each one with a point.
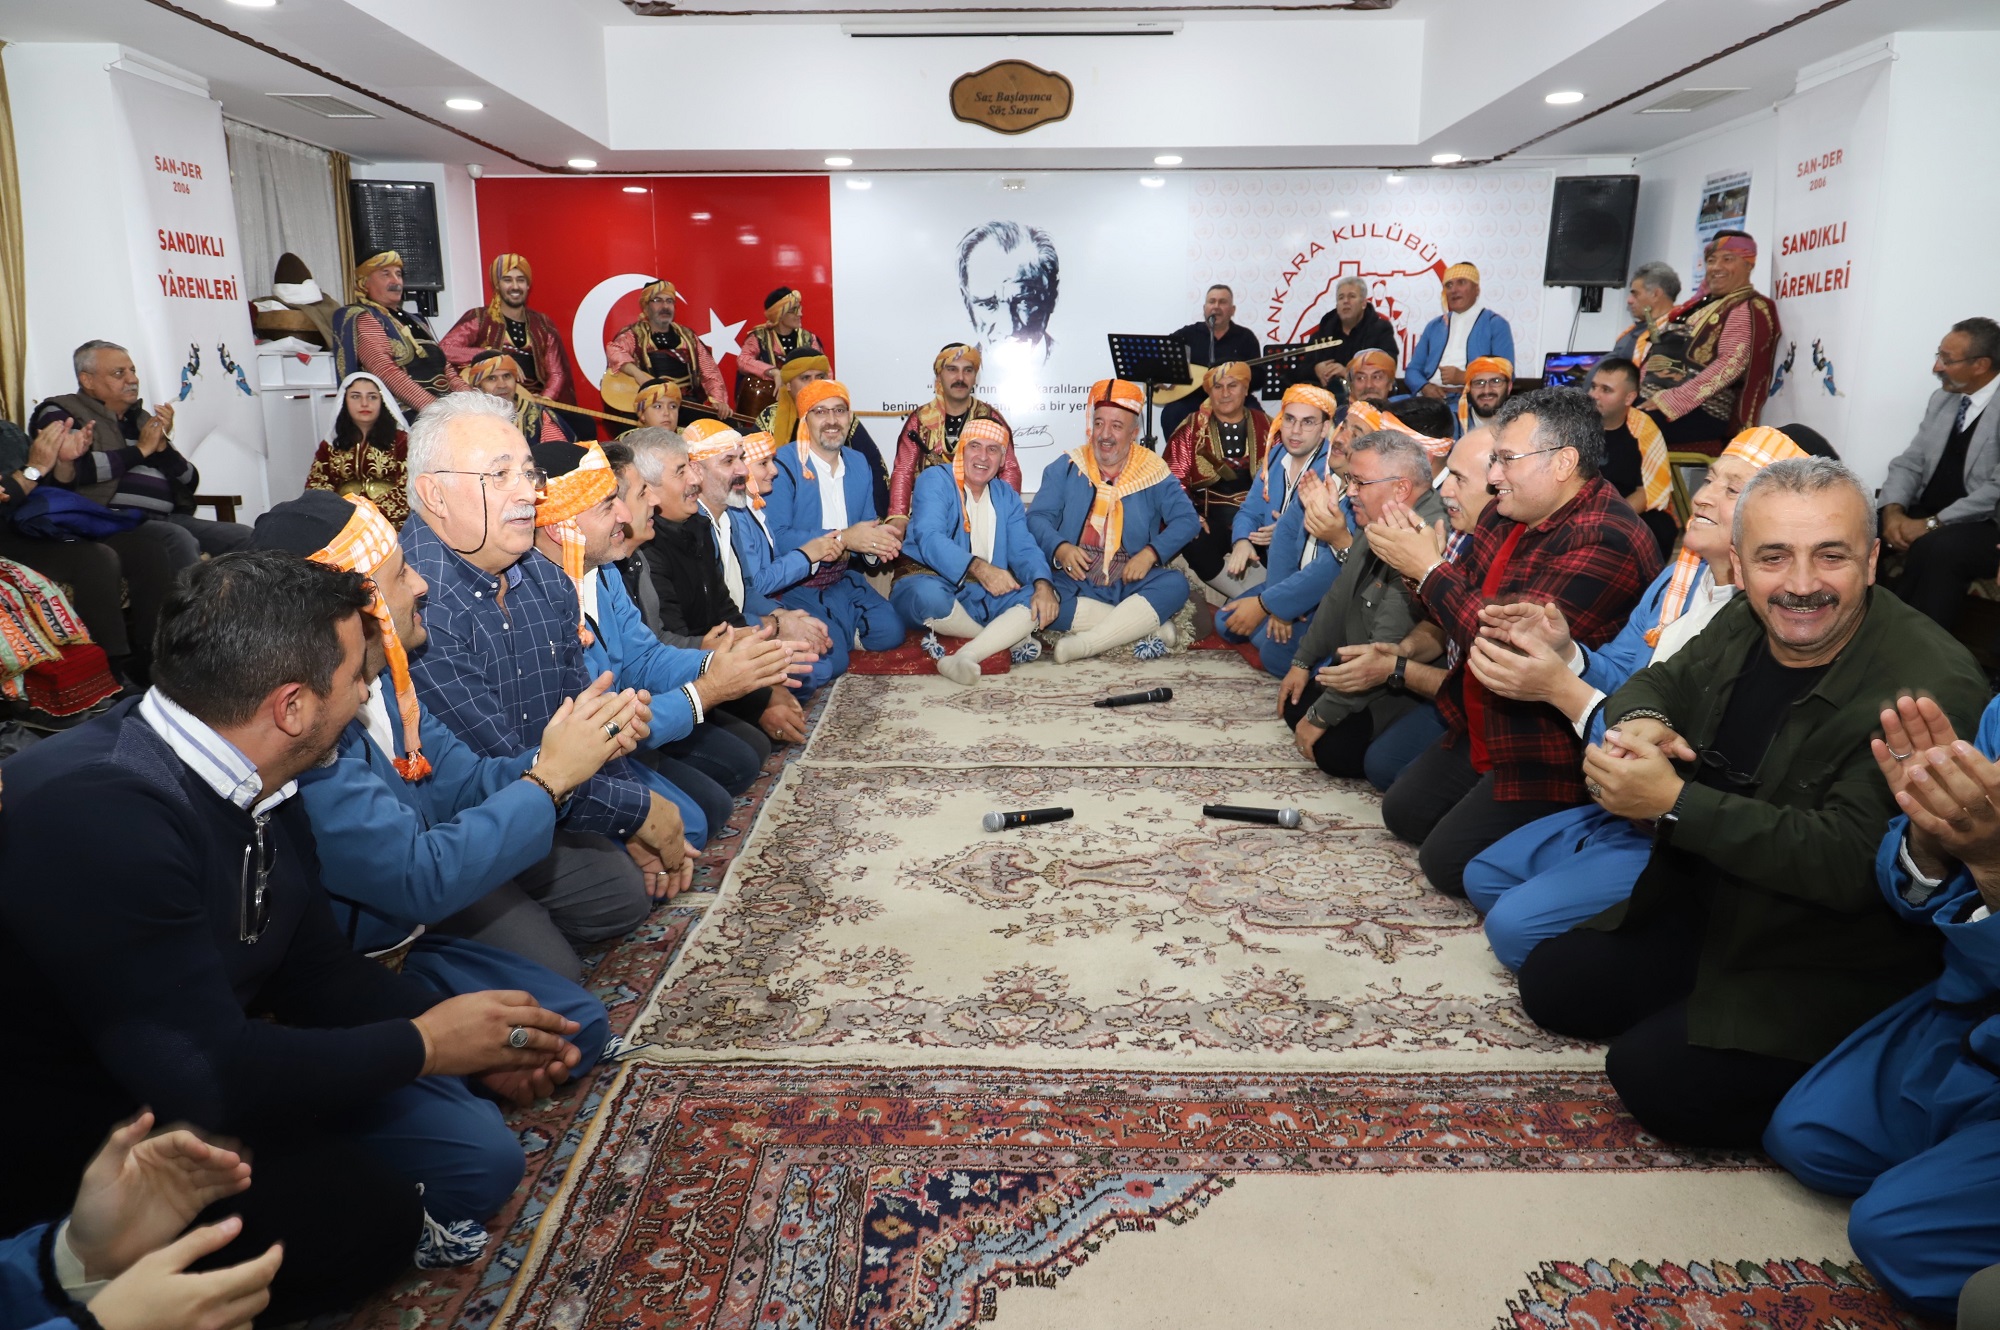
(539, 67)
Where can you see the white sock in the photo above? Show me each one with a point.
(956, 624)
(1129, 620)
(1088, 614)
(1007, 630)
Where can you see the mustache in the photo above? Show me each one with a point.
(1817, 600)
(516, 511)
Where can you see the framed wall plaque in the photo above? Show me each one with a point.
(1011, 97)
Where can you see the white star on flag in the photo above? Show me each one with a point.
(722, 339)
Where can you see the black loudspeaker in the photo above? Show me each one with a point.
(401, 215)
(1590, 230)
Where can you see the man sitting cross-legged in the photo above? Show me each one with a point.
(1902, 1116)
(1755, 939)
(1110, 516)
(1553, 874)
(823, 488)
(189, 963)
(1333, 698)
(980, 575)
(1299, 567)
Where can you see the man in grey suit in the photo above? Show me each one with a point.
(1327, 697)
(1938, 500)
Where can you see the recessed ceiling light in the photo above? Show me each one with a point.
(840, 161)
(1563, 98)
(1152, 181)
(861, 184)
(583, 163)
(1339, 212)
(635, 189)
(748, 240)
(255, 4)
(1167, 159)
(465, 104)
(1446, 158)
(699, 216)
(1395, 180)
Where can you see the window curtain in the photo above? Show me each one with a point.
(343, 215)
(13, 274)
(285, 202)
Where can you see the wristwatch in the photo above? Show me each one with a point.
(1396, 683)
(1931, 524)
(33, 473)
(1669, 821)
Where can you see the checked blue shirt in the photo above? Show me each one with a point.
(496, 675)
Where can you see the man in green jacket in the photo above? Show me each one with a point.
(1755, 938)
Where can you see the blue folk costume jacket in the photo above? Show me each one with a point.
(768, 572)
(938, 539)
(1490, 336)
(792, 508)
(27, 1299)
(1300, 568)
(1161, 515)
(394, 854)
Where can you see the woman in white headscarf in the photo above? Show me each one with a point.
(369, 452)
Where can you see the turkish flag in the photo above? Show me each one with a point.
(723, 241)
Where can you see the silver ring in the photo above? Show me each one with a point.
(1900, 757)
(1593, 789)
(517, 1037)
(611, 729)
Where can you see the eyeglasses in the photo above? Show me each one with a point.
(254, 909)
(1716, 762)
(1354, 484)
(1506, 460)
(508, 477)
(1944, 359)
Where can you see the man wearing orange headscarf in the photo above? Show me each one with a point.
(656, 347)
(1110, 517)
(505, 323)
(1215, 454)
(824, 487)
(1571, 866)
(378, 335)
(930, 433)
(498, 375)
(1489, 381)
(1454, 339)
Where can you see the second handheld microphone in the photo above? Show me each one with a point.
(1025, 818)
(1135, 699)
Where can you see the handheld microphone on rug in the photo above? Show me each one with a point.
(1288, 818)
(1026, 818)
(1135, 699)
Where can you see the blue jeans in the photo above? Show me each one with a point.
(1398, 746)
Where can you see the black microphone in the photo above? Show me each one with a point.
(1134, 699)
(1026, 818)
(1288, 818)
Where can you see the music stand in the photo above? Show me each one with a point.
(1152, 362)
(1276, 375)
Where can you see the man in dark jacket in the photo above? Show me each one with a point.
(1755, 939)
(1357, 325)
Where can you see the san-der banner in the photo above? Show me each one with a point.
(195, 350)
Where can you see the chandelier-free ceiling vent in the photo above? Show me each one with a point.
(1688, 99)
(319, 103)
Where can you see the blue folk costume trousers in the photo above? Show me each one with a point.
(439, 1130)
(1276, 657)
(1553, 874)
(849, 608)
(921, 597)
(1165, 589)
(1900, 1118)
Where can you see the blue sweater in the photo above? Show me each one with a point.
(937, 537)
(395, 854)
(140, 987)
(1490, 336)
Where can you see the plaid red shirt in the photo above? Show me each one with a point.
(1593, 558)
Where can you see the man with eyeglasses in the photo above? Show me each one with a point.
(1938, 498)
(1556, 532)
(1756, 939)
(189, 963)
(504, 652)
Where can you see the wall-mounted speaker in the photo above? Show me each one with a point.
(401, 215)
(1590, 231)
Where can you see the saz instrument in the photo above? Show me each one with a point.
(620, 392)
(1174, 392)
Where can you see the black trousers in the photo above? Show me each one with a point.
(1210, 548)
(1341, 749)
(1630, 989)
(1937, 568)
(145, 560)
(349, 1222)
(1447, 810)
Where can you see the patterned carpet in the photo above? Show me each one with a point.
(906, 1074)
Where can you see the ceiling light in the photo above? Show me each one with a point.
(465, 104)
(1563, 98)
(700, 216)
(583, 163)
(635, 189)
(840, 161)
(1446, 158)
(1167, 159)
(255, 4)
(861, 184)
(1395, 180)
(748, 240)
(1013, 182)
(1152, 181)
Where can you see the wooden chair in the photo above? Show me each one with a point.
(1677, 466)
(224, 505)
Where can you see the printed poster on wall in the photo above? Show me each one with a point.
(1829, 153)
(1725, 203)
(195, 350)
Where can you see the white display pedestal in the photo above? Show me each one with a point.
(300, 398)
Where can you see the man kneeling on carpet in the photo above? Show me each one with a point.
(980, 574)
(1110, 517)
(191, 963)
(1755, 938)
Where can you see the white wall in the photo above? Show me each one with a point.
(458, 228)
(1670, 182)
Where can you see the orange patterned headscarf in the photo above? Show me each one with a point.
(1480, 365)
(489, 363)
(1760, 445)
(1299, 394)
(758, 447)
(1228, 369)
(808, 397)
(990, 430)
(503, 264)
(709, 438)
(363, 546)
(569, 496)
(1370, 356)
(655, 390)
